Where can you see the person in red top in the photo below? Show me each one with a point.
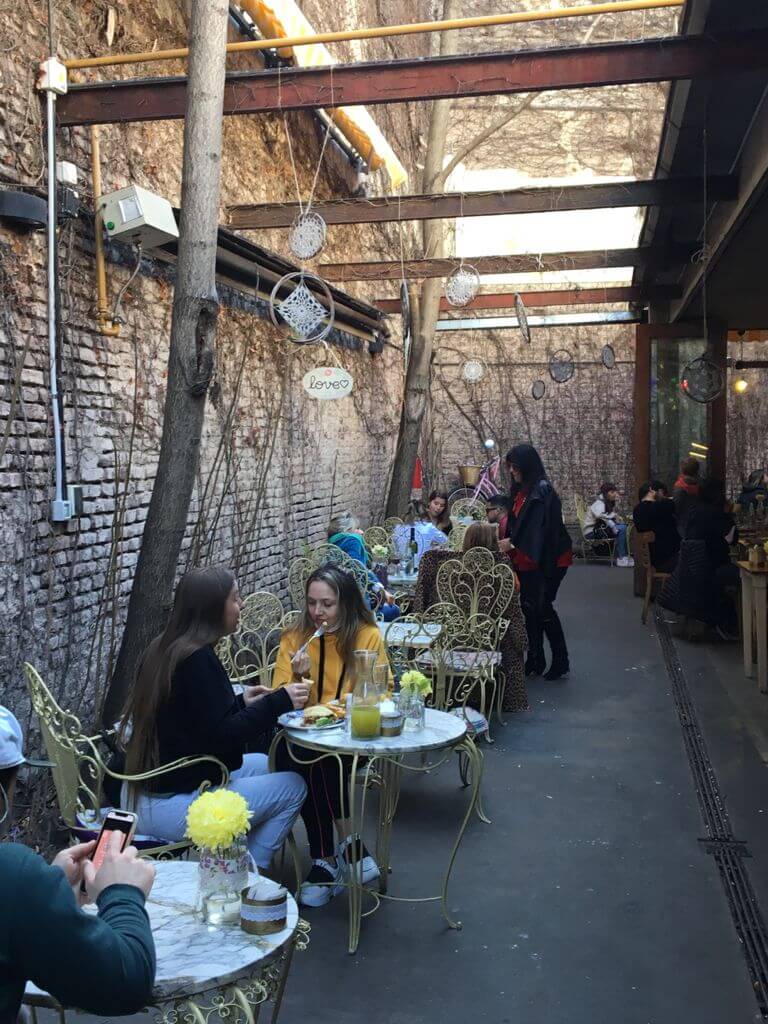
(685, 492)
(541, 552)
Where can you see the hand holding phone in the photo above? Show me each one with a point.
(118, 867)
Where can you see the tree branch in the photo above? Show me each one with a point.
(483, 136)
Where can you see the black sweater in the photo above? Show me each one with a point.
(659, 516)
(203, 716)
(104, 964)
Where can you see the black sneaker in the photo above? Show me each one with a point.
(324, 881)
(352, 851)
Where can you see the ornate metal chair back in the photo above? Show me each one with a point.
(302, 568)
(470, 508)
(250, 653)
(477, 583)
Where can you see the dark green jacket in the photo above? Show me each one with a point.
(104, 964)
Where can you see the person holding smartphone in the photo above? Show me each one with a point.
(103, 964)
(183, 706)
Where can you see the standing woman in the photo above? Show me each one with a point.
(333, 600)
(541, 551)
(183, 705)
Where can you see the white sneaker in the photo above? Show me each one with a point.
(324, 881)
(370, 869)
(625, 563)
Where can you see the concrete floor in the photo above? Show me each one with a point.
(589, 898)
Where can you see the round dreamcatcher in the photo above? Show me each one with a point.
(309, 319)
(608, 357)
(307, 235)
(472, 371)
(405, 313)
(538, 389)
(561, 366)
(702, 380)
(462, 286)
(522, 318)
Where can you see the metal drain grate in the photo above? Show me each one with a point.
(727, 851)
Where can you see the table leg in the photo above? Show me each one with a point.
(747, 613)
(355, 873)
(761, 628)
(476, 764)
(390, 773)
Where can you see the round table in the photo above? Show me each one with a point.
(380, 762)
(203, 969)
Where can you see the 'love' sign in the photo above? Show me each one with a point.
(327, 382)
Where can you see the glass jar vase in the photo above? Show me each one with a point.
(222, 876)
(413, 710)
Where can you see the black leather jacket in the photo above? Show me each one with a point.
(538, 531)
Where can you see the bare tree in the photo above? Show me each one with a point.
(191, 354)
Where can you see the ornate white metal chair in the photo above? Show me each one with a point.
(393, 521)
(302, 568)
(79, 769)
(249, 655)
(470, 508)
(477, 582)
(600, 548)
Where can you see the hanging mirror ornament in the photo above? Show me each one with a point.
(522, 318)
(308, 318)
(561, 366)
(538, 389)
(462, 286)
(472, 371)
(608, 357)
(702, 380)
(307, 235)
(405, 312)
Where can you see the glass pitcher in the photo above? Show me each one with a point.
(366, 715)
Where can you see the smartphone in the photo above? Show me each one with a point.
(122, 822)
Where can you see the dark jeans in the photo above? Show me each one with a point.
(326, 798)
(550, 620)
(532, 601)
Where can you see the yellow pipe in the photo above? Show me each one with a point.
(384, 31)
(106, 326)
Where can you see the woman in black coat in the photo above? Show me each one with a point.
(541, 552)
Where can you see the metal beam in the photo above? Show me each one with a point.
(555, 297)
(500, 74)
(497, 323)
(518, 263)
(386, 209)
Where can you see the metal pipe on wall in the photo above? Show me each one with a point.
(106, 325)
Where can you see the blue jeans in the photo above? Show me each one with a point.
(622, 548)
(389, 612)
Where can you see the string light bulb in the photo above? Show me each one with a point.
(740, 385)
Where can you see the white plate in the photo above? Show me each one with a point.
(294, 719)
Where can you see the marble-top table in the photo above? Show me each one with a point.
(410, 634)
(198, 962)
(403, 580)
(382, 761)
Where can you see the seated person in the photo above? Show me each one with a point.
(419, 530)
(515, 640)
(603, 521)
(333, 599)
(657, 514)
(344, 531)
(437, 511)
(685, 492)
(497, 510)
(183, 705)
(102, 963)
(711, 522)
(755, 491)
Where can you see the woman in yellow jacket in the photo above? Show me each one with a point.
(334, 601)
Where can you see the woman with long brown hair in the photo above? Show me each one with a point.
(333, 601)
(183, 705)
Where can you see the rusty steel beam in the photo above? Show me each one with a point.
(553, 297)
(251, 92)
(518, 263)
(382, 209)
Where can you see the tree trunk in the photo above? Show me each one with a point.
(419, 369)
(190, 359)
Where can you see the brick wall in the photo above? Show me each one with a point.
(274, 462)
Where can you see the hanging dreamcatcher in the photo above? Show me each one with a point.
(522, 318)
(702, 380)
(608, 357)
(473, 371)
(561, 366)
(538, 389)
(307, 235)
(462, 286)
(309, 319)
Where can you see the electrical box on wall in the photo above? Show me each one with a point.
(135, 215)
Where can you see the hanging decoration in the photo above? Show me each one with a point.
(309, 319)
(608, 357)
(326, 383)
(702, 380)
(522, 318)
(538, 389)
(462, 286)
(307, 235)
(561, 366)
(405, 314)
(473, 371)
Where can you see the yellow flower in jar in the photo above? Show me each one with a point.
(216, 818)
